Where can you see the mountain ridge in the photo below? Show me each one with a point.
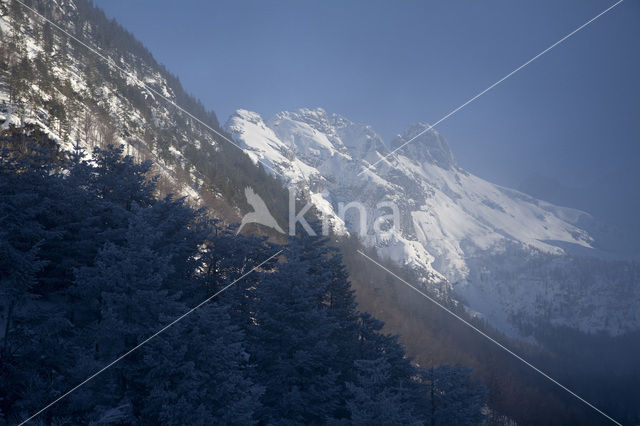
(452, 222)
(78, 98)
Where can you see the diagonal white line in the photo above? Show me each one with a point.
(190, 311)
(500, 345)
(112, 63)
(450, 113)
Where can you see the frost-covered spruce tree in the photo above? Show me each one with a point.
(122, 299)
(292, 343)
(455, 398)
(21, 235)
(199, 373)
(226, 256)
(32, 319)
(119, 179)
(372, 344)
(376, 400)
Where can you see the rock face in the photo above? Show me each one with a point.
(496, 248)
(509, 257)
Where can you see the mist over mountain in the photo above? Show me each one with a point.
(461, 232)
(144, 223)
(571, 115)
(618, 234)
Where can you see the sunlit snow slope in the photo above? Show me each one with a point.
(456, 230)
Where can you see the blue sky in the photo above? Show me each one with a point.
(565, 128)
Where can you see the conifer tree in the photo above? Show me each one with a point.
(199, 373)
(91, 264)
(291, 343)
(376, 400)
(454, 397)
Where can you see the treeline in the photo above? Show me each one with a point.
(91, 264)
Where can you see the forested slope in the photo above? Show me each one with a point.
(91, 264)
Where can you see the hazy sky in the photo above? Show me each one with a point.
(566, 127)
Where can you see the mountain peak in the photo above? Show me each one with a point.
(316, 118)
(246, 115)
(426, 145)
(345, 136)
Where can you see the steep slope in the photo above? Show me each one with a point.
(498, 249)
(321, 155)
(50, 80)
(457, 230)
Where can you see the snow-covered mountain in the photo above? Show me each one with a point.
(457, 231)
(499, 250)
